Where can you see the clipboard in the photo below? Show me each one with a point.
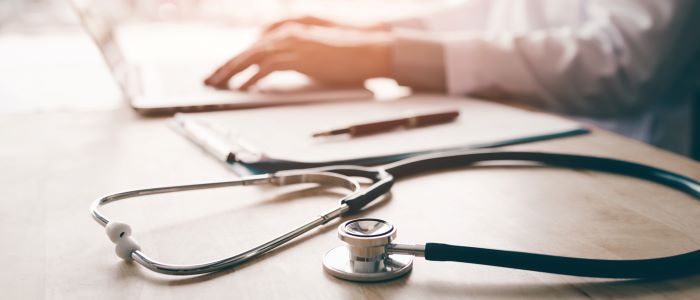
(273, 139)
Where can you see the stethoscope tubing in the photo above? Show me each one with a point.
(676, 265)
(671, 266)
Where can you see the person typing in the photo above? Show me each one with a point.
(626, 65)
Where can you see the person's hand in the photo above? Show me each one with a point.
(316, 21)
(329, 55)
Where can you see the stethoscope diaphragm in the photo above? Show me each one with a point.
(365, 258)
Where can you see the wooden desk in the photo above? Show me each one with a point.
(55, 164)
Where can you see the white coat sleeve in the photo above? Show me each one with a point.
(467, 15)
(602, 66)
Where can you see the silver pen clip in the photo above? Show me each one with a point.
(221, 146)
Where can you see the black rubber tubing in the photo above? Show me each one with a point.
(671, 266)
(381, 184)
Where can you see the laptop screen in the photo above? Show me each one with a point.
(99, 25)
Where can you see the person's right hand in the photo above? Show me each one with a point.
(332, 56)
(315, 21)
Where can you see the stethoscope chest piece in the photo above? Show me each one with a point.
(365, 258)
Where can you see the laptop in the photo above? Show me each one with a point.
(160, 67)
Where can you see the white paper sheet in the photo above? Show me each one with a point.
(285, 132)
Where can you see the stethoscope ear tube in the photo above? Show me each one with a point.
(377, 190)
(128, 249)
(382, 182)
(671, 266)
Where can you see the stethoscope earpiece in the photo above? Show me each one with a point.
(120, 234)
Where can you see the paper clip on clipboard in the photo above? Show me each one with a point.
(239, 153)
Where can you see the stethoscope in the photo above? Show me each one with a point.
(369, 254)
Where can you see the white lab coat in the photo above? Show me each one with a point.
(627, 65)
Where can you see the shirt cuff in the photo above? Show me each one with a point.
(418, 61)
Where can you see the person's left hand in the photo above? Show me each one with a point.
(329, 55)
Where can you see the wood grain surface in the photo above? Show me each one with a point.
(55, 164)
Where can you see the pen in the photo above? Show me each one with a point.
(387, 125)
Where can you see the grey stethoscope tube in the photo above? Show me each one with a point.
(370, 255)
(128, 249)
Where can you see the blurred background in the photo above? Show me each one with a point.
(49, 63)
